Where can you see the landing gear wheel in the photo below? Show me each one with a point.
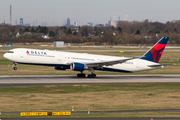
(15, 68)
(91, 75)
(81, 75)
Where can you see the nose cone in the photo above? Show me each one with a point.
(5, 55)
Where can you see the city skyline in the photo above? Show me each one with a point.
(56, 12)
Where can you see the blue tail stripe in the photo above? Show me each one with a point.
(148, 56)
(164, 40)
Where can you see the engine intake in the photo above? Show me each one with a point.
(77, 66)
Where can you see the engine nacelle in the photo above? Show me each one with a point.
(77, 66)
(59, 68)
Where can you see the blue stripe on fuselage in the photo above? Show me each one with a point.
(113, 70)
(51, 65)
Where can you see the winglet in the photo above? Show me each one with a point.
(154, 54)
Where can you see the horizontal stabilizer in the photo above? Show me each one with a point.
(159, 65)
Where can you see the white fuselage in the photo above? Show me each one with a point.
(63, 59)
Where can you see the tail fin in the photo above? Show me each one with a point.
(154, 54)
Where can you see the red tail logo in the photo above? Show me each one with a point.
(157, 51)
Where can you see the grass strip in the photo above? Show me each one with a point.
(111, 115)
(96, 97)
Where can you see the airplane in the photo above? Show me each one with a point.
(82, 61)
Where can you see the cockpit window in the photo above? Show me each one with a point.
(10, 52)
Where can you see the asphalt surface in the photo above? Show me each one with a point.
(6, 81)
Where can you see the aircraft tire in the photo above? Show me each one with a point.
(15, 68)
(81, 75)
(92, 76)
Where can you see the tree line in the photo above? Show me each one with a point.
(126, 32)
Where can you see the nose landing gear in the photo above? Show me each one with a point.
(14, 66)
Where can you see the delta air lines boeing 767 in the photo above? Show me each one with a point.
(82, 61)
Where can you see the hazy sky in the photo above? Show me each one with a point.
(55, 12)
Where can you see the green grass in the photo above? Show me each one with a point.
(97, 97)
(112, 115)
(61, 89)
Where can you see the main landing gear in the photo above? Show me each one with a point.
(14, 66)
(82, 75)
(91, 75)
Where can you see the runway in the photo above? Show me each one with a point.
(7, 81)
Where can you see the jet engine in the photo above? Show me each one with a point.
(78, 66)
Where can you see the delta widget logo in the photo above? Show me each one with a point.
(157, 51)
(36, 53)
(27, 52)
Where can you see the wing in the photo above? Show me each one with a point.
(99, 64)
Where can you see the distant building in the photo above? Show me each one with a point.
(113, 23)
(21, 21)
(58, 43)
(75, 24)
(45, 36)
(27, 24)
(68, 22)
(91, 35)
(99, 25)
(18, 35)
(90, 24)
(118, 21)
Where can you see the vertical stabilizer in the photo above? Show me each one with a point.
(154, 54)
